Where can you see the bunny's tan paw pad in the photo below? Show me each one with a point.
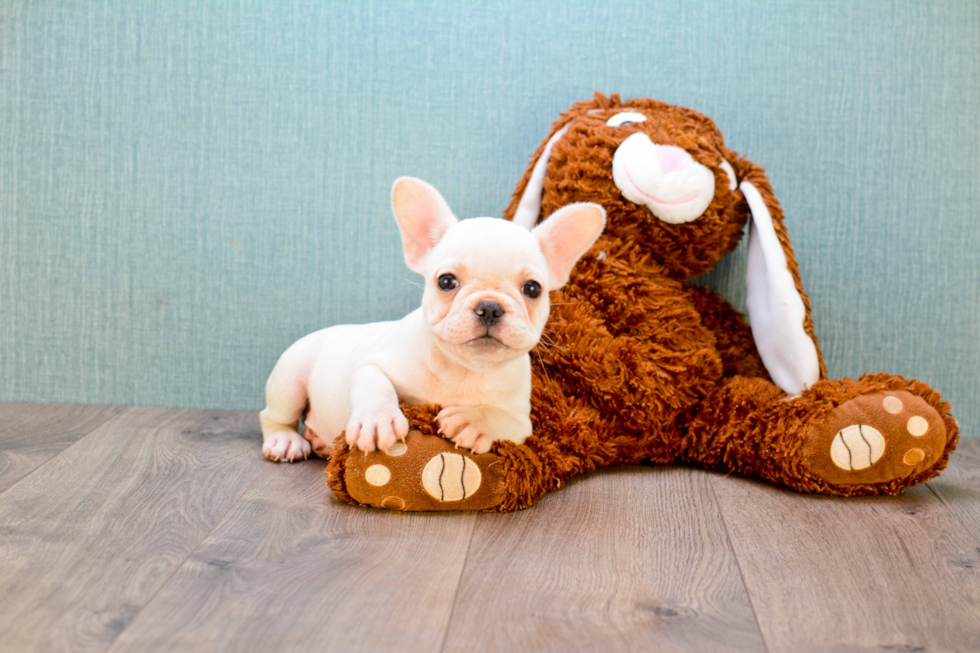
(875, 438)
(426, 472)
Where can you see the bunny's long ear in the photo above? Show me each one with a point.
(529, 205)
(779, 310)
(525, 205)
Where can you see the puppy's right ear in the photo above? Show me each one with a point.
(423, 217)
(566, 235)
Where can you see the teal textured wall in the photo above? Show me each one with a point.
(188, 187)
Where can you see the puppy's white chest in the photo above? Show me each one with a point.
(461, 387)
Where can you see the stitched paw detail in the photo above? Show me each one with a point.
(425, 472)
(857, 447)
(876, 438)
(451, 477)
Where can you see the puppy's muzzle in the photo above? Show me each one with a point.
(489, 313)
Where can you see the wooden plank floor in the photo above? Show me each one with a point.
(135, 529)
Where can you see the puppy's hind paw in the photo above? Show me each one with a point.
(320, 447)
(286, 446)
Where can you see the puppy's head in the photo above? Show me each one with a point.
(487, 279)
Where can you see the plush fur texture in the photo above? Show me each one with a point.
(639, 365)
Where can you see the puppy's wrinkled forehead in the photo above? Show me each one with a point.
(489, 247)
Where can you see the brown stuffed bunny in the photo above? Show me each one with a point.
(638, 364)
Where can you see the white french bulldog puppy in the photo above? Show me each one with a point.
(466, 349)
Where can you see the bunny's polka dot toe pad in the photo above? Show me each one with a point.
(876, 438)
(426, 472)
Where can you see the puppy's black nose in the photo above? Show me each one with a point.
(489, 312)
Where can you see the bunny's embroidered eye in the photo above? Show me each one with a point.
(448, 282)
(732, 179)
(532, 289)
(625, 118)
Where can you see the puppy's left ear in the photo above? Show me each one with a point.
(423, 217)
(568, 233)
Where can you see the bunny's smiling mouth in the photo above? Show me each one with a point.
(655, 198)
(641, 168)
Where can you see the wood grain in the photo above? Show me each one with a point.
(32, 434)
(627, 559)
(292, 569)
(959, 486)
(88, 539)
(858, 574)
(165, 530)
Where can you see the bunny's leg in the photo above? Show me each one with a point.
(633, 348)
(428, 473)
(733, 337)
(876, 435)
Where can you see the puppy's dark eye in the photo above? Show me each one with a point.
(532, 289)
(448, 282)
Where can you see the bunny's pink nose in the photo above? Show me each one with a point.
(673, 159)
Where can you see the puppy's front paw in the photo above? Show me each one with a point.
(376, 428)
(467, 427)
(285, 445)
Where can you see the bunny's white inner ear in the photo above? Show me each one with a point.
(529, 208)
(776, 309)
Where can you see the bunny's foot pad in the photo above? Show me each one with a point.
(876, 438)
(425, 472)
